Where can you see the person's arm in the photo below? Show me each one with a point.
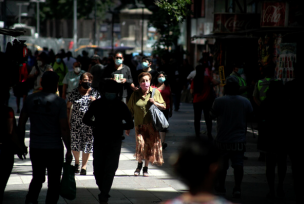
(69, 105)
(214, 110)
(64, 89)
(66, 137)
(33, 74)
(22, 123)
(129, 78)
(87, 118)
(158, 101)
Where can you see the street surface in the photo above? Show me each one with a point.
(161, 184)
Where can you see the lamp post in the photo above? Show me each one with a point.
(137, 5)
(20, 6)
(38, 14)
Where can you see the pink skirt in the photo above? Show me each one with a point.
(148, 144)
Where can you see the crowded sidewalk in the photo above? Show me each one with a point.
(161, 183)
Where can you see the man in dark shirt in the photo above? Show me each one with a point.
(96, 70)
(106, 116)
(49, 126)
(126, 81)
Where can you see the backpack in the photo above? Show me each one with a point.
(159, 120)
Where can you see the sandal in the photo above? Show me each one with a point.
(145, 171)
(76, 168)
(138, 169)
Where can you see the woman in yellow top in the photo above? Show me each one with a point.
(148, 142)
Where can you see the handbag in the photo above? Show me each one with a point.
(159, 120)
(68, 183)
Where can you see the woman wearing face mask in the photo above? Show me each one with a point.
(160, 82)
(148, 142)
(71, 79)
(146, 67)
(81, 134)
(61, 69)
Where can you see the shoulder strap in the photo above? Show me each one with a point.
(153, 92)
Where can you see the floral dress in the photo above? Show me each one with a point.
(81, 134)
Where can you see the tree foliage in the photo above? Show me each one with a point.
(177, 8)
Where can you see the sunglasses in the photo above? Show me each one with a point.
(118, 57)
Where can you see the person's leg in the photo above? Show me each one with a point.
(270, 173)
(282, 169)
(7, 159)
(197, 117)
(110, 167)
(85, 159)
(206, 109)
(163, 133)
(237, 164)
(76, 156)
(18, 103)
(54, 168)
(223, 173)
(38, 166)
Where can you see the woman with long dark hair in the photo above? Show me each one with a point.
(160, 82)
(203, 97)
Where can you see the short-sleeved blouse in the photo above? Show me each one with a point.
(139, 105)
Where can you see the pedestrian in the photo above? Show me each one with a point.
(69, 61)
(119, 68)
(49, 127)
(200, 181)
(9, 143)
(108, 113)
(203, 97)
(293, 108)
(21, 88)
(146, 64)
(71, 80)
(61, 69)
(275, 148)
(37, 71)
(231, 112)
(148, 142)
(160, 82)
(96, 69)
(259, 95)
(81, 134)
(238, 72)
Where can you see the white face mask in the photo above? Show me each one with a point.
(77, 70)
(39, 63)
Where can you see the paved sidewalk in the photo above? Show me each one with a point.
(161, 184)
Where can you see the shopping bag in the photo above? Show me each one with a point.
(159, 120)
(68, 183)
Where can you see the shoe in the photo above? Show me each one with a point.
(138, 169)
(164, 145)
(76, 168)
(236, 193)
(83, 172)
(145, 171)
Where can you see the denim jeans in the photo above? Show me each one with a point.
(42, 159)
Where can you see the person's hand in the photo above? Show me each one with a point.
(22, 152)
(127, 132)
(68, 157)
(152, 100)
(134, 88)
(92, 98)
(123, 80)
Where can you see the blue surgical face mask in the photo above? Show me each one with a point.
(161, 79)
(118, 62)
(145, 64)
(58, 60)
(110, 96)
(240, 71)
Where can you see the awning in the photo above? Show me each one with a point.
(11, 32)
